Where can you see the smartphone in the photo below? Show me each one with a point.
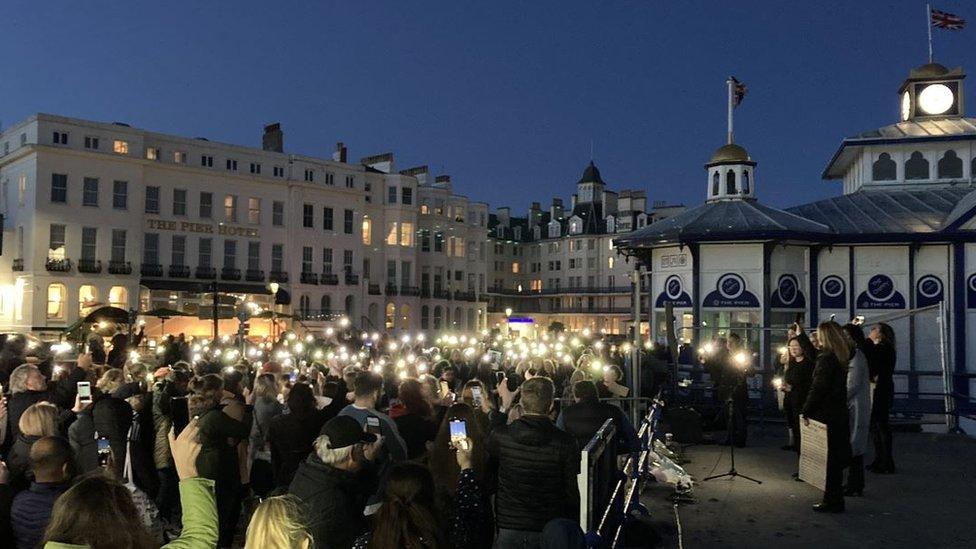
(293, 376)
(499, 376)
(459, 432)
(476, 395)
(84, 392)
(373, 425)
(104, 451)
(179, 413)
(445, 389)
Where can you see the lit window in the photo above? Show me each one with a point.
(390, 316)
(179, 157)
(367, 231)
(391, 234)
(55, 301)
(87, 299)
(230, 208)
(515, 267)
(120, 147)
(424, 209)
(152, 153)
(118, 296)
(610, 262)
(254, 210)
(406, 234)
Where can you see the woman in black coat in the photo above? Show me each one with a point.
(880, 351)
(827, 403)
(797, 379)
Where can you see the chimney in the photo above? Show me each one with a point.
(556, 210)
(419, 172)
(504, 215)
(273, 138)
(535, 214)
(443, 181)
(340, 153)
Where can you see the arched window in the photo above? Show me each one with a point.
(537, 232)
(118, 296)
(730, 182)
(715, 178)
(87, 299)
(447, 317)
(55, 301)
(950, 166)
(350, 312)
(304, 307)
(458, 318)
(425, 317)
(745, 181)
(553, 229)
(390, 316)
(404, 317)
(884, 168)
(917, 167)
(471, 324)
(326, 304)
(438, 313)
(373, 314)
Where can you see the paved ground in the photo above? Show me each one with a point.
(931, 502)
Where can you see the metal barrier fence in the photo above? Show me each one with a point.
(599, 472)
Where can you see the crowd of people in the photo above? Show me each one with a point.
(828, 376)
(330, 440)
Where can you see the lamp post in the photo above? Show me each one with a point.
(508, 325)
(274, 313)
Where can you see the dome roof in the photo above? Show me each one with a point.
(729, 153)
(591, 175)
(929, 70)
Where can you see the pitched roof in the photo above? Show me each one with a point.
(725, 220)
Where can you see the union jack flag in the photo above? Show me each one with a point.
(738, 92)
(946, 20)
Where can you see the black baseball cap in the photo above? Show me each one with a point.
(345, 431)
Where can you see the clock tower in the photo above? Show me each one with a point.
(932, 91)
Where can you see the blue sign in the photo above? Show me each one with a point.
(833, 293)
(971, 292)
(730, 292)
(673, 293)
(520, 320)
(787, 294)
(928, 291)
(881, 294)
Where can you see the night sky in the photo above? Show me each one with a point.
(506, 97)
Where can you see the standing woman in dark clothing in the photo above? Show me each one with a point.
(880, 351)
(859, 408)
(414, 418)
(827, 403)
(797, 379)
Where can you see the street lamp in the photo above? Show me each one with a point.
(274, 313)
(508, 312)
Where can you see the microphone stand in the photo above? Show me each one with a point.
(732, 473)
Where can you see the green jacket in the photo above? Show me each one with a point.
(199, 518)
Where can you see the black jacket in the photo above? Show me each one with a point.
(799, 375)
(584, 419)
(881, 369)
(333, 500)
(827, 400)
(537, 466)
(290, 437)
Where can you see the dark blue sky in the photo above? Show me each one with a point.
(504, 96)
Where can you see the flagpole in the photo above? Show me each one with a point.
(731, 106)
(928, 25)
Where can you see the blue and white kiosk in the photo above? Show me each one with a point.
(901, 237)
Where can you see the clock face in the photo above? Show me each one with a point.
(935, 99)
(906, 106)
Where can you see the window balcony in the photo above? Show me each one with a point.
(464, 296)
(18, 264)
(230, 273)
(58, 265)
(179, 271)
(441, 294)
(254, 275)
(278, 276)
(308, 277)
(318, 315)
(374, 289)
(207, 273)
(89, 266)
(330, 279)
(409, 290)
(425, 292)
(148, 269)
(119, 267)
(391, 289)
(352, 279)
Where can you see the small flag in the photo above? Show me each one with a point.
(738, 92)
(945, 20)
